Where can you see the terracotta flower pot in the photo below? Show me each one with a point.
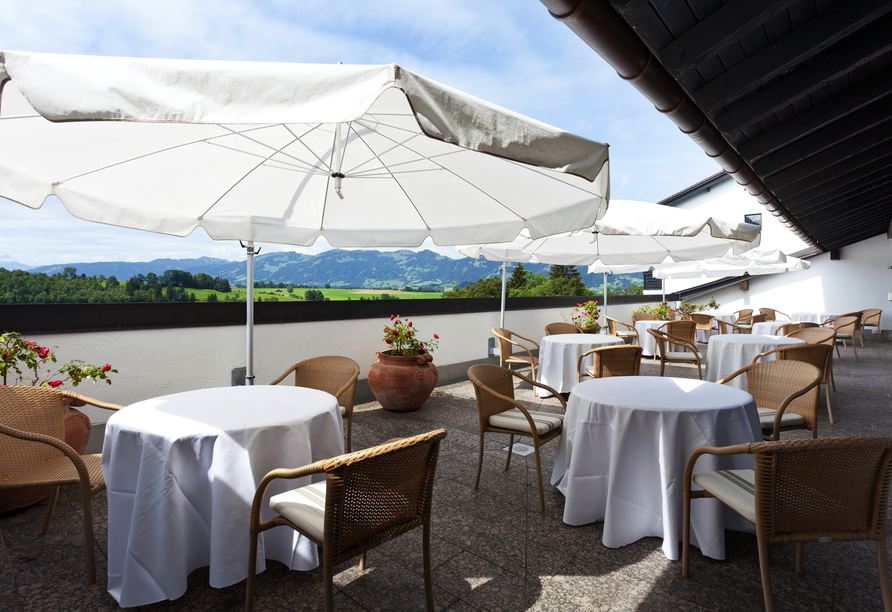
(77, 434)
(400, 383)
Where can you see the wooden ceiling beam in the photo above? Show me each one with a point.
(846, 176)
(834, 109)
(804, 42)
(861, 189)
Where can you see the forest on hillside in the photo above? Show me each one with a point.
(560, 280)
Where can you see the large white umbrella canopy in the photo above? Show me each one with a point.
(630, 233)
(365, 156)
(754, 262)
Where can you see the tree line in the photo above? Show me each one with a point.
(560, 280)
(67, 287)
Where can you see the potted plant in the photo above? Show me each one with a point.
(663, 312)
(24, 362)
(585, 316)
(404, 376)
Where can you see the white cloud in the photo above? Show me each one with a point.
(507, 52)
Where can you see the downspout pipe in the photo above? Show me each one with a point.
(611, 37)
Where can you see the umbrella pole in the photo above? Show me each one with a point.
(504, 286)
(249, 370)
(605, 294)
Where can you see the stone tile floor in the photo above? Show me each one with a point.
(492, 549)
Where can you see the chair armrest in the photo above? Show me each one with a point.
(307, 470)
(682, 342)
(91, 401)
(344, 389)
(524, 347)
(742, 370)
(765, 354)
(69, 452)
(532, 382)
(282, 377)
(525, 338)
(737, 449)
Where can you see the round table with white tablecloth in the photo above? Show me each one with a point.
(559, 355)
(767, 328)
(727, 353)
(813, 317)
(728, 317)
(623, 451)
(181, 472)
(645, 340)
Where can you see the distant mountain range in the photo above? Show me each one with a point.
(337, 267)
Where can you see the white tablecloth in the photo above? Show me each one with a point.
(623, 450)
(729, 352)
(647, 342)
(813, 317)
(181, 472)
(728, 317)
(767, 328)
(559, 355)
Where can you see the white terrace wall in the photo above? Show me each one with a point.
(859, 279)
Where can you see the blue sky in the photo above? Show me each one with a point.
(509, 52)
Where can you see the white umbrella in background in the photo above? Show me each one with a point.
(364, 156)
(630, 233)
(753, 262)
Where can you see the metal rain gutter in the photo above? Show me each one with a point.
(602, 29)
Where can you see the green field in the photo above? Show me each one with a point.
(331, 294)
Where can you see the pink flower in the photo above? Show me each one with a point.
(436, 336)
(56, 383)
(43, 352)
(388, 341)
(392, 317)
(106, 368)
(409, 323)
(421, 351)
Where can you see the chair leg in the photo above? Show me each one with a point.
(883, 562)
(800, 557)
(479, 462)
(328, 588)
(428, 582)
(699, 371)
(686, 539)
(766, 577)
(88, 538)
(662, 366)
(539, 477)
(832, 381)
(510, 448)
(49, 511)
(362, 562)
(829, 410)
(252, 570)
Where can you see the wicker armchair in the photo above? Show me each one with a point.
(33, 452)
(846, 327)
(819, 355)
(561, 328)
(611, 361)
(818, 335)
(642, 316)
(772, 314)
(681, 330)
(629, 332)
(506, 348)
(690, 354)
(730, 328)
(786, 395)
(704, 321)
(499, 412)
(368, 498)
(870, 318)
(802, 491)
(332, 374)
(743, 313)
(748, 322)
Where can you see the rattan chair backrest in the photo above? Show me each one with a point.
(612, 325)
(815, 335)
(703, 321)
(761, 318)
(378, 493)
(819, 355)
(330, 374)
(686, 330)
(772, 382)
(35, 410)
(642, 316)
(500, 380)
(847, 324)
(503, 337)
(561, 328)
(616, 361)
(744, 312)
(836, 488)
(871, 316)
(788, 328)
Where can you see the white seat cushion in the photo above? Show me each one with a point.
(679, 356)
(789, 419)
(626, 333)
(305, 507)
(343, 410)
(515, 419)
(735, 488)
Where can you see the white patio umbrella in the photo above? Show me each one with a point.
(630, 233)
(372, 156)
(753, 262)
